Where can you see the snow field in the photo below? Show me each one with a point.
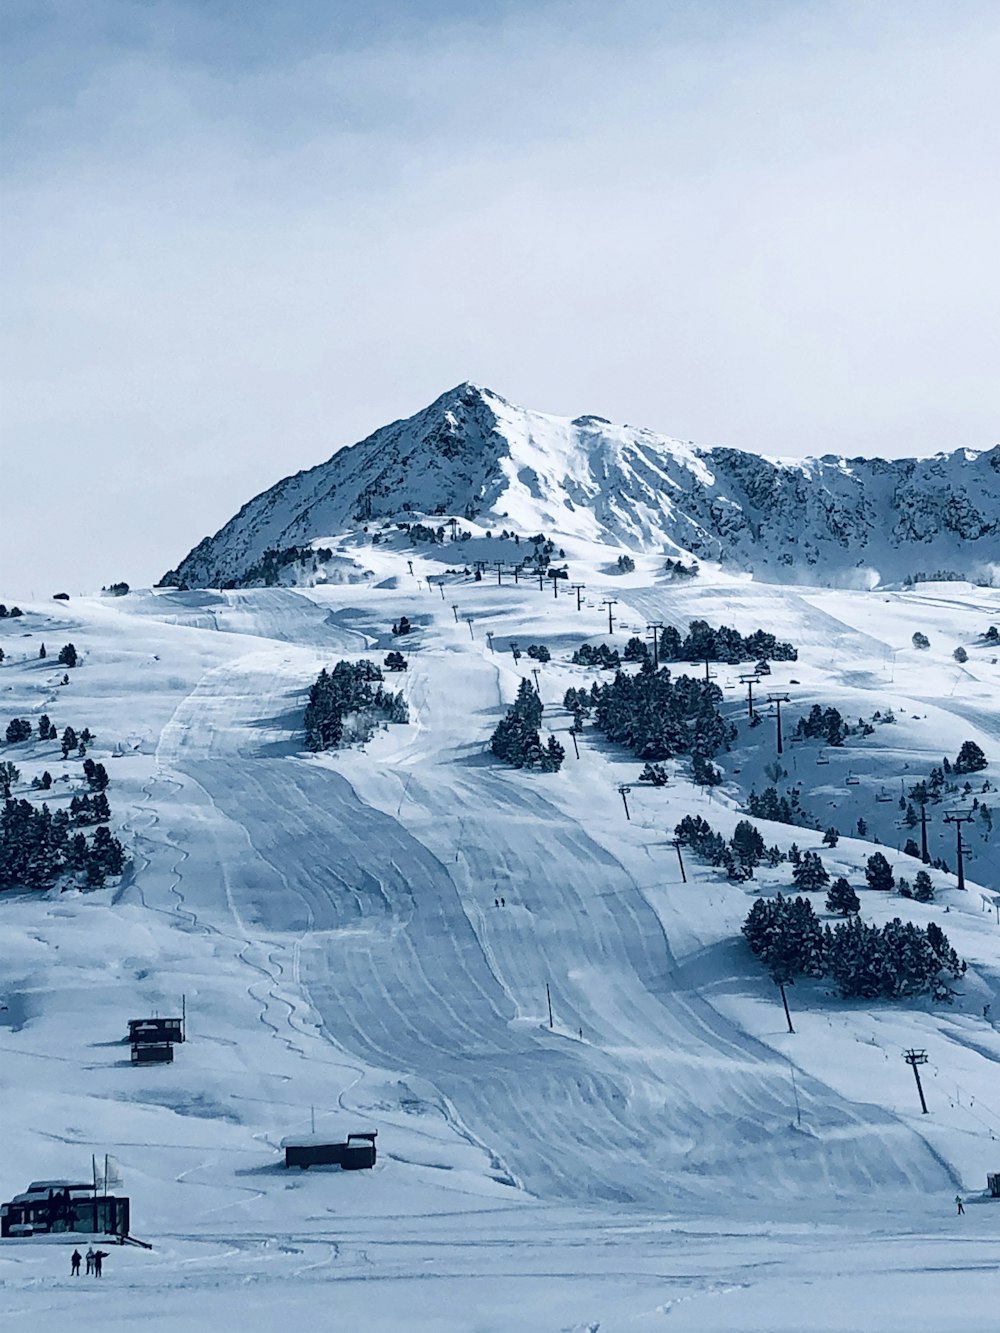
(331, 922)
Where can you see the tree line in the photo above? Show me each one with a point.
(865, 962)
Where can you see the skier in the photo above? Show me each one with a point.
(75, 1263)
(99, 1257)
(503, 902)
(90, 1261)
(961, 1205)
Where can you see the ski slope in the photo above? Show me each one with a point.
(663, 1148)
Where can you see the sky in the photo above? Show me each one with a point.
(236, 236)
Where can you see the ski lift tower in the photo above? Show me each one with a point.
(750, 681)
(958, 818)
(778, 700)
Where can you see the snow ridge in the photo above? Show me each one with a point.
(830, 520)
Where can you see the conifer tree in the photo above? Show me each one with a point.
(842, 898)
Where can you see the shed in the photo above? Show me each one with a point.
(153, 1053)
(993, 1185)
(146, 1031)
(356, 1153)
(54, 1206)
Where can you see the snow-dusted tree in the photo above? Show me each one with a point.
(878, 873)
(970, 758)
(810, 874)
(920, 640)
(923, 888)
(841, 898)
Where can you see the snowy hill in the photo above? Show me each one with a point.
(660, 1144)
(852, 522)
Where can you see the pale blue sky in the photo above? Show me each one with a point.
(236, 236)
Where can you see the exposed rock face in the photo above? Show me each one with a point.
(472, 453)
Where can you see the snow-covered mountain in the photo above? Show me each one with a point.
(821, 520)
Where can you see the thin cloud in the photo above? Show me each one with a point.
(772, 231)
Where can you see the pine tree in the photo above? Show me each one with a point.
(842, 898)
(810, 874)
(67, 656)
(878, 873)
(923, 887)
(970, 758)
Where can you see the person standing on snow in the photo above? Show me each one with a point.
(961, 1206)
(75, 1263)
(98, 1260)
(90, 1261)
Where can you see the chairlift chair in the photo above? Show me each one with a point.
(821, 758)
(884, 796)
(852, 780)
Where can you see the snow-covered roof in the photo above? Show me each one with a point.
(320, 1140)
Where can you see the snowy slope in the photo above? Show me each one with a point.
(664, 1147)
(845, 521)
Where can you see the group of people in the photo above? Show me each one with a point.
(95, 1258)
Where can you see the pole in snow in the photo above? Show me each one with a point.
(572, 732)
(534, 672)
(548, 996)
(925, 855)
(795, 1090)
(749, 682)
(784, 1000)
(958, 818)
(612, 601)
(654, 629)
(778, 700)
(454, 607)
(914, 1058)
(468, 621)
(489, 640)
(676, 842)
(624, 793)
(578, 589)
(499, 565)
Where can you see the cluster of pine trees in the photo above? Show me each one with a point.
(702, 643)
(517, 741)
(769, 804)
(656, 715)
(738, 857)
(866, 962)
(825, 724)
(343, 700)
(600, 656)
(38, 847)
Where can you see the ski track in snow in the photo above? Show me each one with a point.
(409, 971)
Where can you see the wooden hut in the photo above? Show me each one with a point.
(52, 1206)
(356, 1153)
(148, 1031)
(153, 1053)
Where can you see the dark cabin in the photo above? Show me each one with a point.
(357, 1153)
(147, 1031)
(993, 1185)
(53, 1206)
(153, 1053)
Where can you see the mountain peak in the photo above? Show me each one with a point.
(472, 453)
